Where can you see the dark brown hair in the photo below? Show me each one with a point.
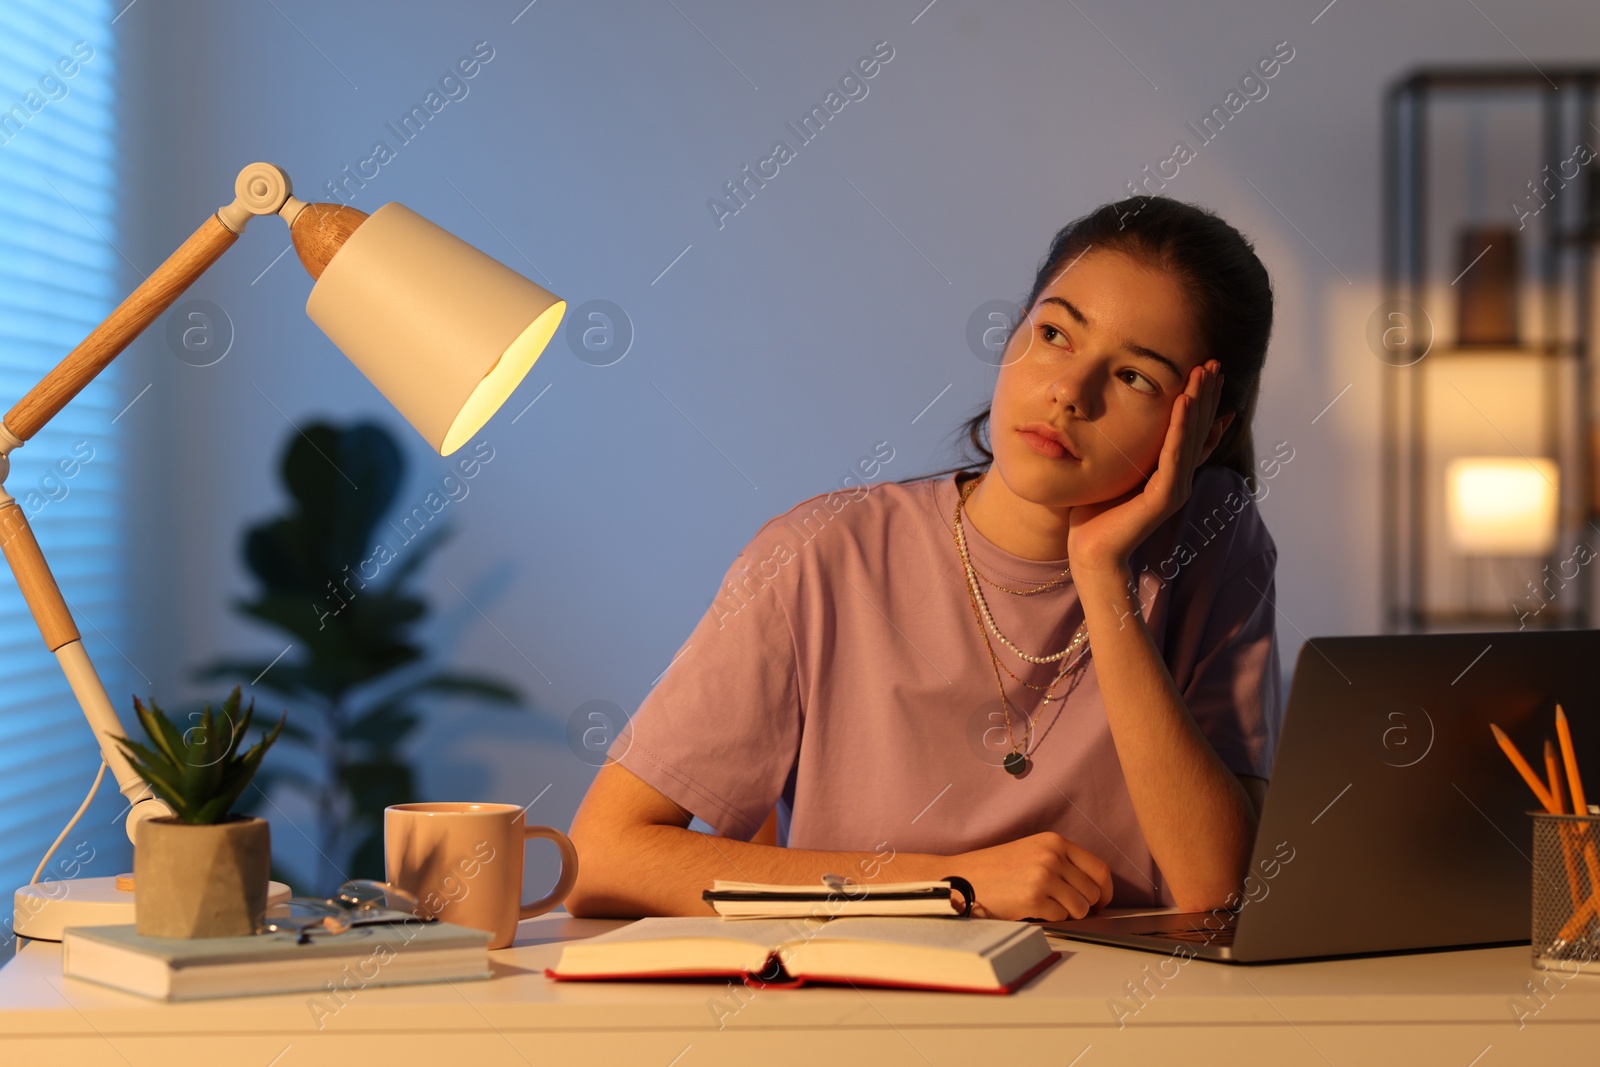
(1229, 294)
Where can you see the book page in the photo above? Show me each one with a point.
(768, 933)
(954, 953)
(668, 944)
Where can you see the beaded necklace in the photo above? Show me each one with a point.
(1017, 762)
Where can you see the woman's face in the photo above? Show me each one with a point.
(1101, 357)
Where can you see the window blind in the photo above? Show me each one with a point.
(60, 274)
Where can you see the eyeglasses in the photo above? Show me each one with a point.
(360, 902)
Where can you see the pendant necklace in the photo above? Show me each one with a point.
(1017, 762)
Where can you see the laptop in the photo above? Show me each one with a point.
(1393, 822)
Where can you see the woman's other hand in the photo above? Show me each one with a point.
(1043, 876)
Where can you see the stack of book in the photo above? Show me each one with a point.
(172, 968)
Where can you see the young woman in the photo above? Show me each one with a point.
(1055, 675)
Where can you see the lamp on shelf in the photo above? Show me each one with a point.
(445, 332)
(1502, 505)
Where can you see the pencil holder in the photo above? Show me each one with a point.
(1566, 892)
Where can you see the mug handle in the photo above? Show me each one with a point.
(569, 870)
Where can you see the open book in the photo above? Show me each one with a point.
(962, 955)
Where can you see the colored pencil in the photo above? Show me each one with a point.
(1552, 774)
(1581, 910)
(1579, 807)
(1538, 787)
(1569, 860)
(1574, 783)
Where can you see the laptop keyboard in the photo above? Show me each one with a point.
(1223, 936)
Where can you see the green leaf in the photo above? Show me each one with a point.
(159, 729)
(161, 764)
(238, 722)
(303, 614)
(375, 784)
(387, 722)
(385, 725)
(375, 661)
(232, 785)
(448, 683)
(202, 765)
(213, 811)
(164, 780)
(238, 774)
(416, 552)
(164, 789)
(295, 732)
(267, 740)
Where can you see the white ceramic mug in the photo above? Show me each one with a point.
(463, 862)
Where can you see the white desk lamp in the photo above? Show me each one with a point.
(444, 331)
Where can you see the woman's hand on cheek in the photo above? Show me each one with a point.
(1102, 536)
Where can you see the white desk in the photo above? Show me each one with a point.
(1428, 1008)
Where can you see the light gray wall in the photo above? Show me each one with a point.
(777, 349)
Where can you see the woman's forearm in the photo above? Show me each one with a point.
(1196, 817)
(661, 870)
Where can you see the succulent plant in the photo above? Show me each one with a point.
(198, 771)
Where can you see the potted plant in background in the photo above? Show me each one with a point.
(204, 871)
(335, 579)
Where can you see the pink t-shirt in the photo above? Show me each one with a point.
(841, 677)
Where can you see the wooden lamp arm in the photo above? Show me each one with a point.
(169, 281)
(261, 189)
(317, 231)
(54, 619)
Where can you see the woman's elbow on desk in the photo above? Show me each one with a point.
(614, 881)
(615, 867)
(1231, 897)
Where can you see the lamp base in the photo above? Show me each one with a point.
(45, 909)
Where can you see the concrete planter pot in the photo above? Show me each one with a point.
(194, 880)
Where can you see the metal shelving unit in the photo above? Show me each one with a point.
(1562, 240)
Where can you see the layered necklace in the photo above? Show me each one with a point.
(1016, 762)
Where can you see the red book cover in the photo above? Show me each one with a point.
(786, 982)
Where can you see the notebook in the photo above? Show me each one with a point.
(911, 952)
(832, 900)
(175, 968)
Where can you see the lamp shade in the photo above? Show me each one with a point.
(1502, 505)
(444, 331)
